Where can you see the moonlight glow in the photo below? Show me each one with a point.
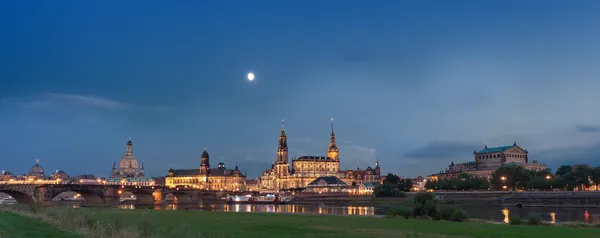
(250, 76)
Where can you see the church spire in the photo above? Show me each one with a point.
(142, 169)
(332, 134)
(332, 152)
(282, 148)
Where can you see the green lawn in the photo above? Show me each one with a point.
(13, 225)
(145, 223)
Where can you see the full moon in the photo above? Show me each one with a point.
(250, 76)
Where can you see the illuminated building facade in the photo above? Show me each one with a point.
(215, 179)
(306, 169)
(128, 173)
(486, 161)
(128, 165)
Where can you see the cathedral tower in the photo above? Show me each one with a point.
(204, 163)
(333, 152)
(282, 149)
(282, 166)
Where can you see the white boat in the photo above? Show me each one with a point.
(8, 201)
(272, 198)
(239, 199)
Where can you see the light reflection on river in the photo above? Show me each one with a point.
(547, 214)
(271, 208)
(491, 213)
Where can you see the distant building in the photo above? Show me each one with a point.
(252, 185)
(306, 169)
(486, 161)
(128, 173)
(418, 184)
(327, 184)
(36, 171)
(366, 189)
(128, 165)
(60, 175)
(216, 179)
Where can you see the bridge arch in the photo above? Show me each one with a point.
(21, 197)
(90, 197)
(178, 197)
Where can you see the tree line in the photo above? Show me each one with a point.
(516, 177)
(393, 186)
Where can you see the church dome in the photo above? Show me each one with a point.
(36, 170)
(128, 162)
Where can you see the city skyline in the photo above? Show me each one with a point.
(79, 78)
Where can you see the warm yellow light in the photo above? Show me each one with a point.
(120, 191)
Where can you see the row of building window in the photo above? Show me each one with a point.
(500, 155)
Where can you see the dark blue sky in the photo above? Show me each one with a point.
(417, 84)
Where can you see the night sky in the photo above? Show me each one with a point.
(416, 84)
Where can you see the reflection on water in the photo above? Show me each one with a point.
(491, 213)
(551, 215)
(271, 208)
(506, 212)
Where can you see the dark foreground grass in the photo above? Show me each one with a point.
(144, 223)
(15, 226)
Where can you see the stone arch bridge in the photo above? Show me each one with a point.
(98, 195)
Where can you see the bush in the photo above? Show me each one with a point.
(445, 213)
(515, 220)
(459, 216)
(535, 221)
(398, 211)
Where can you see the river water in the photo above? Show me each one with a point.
(491, 213)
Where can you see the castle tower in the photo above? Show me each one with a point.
(204, 163)
(281, 165)
(333, 152)
(377, 169)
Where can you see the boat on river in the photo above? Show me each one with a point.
(272, 198)
(7, 200)
(239, 199)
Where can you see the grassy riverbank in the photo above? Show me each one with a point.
(15, 225)
(145, 223)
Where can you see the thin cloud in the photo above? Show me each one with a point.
(53, 101)
(88, 100)
(588, 128)
(443, 149)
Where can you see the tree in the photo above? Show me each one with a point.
(391, 179)
(564, 169)
(581, 176)
(404, 185)
(431, 184)
(595, 176)
(512, 176)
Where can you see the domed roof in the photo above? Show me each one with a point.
(204, 154)
(59, 171)
(36, 170)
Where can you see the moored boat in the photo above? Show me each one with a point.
(239, 199)
(272, 198)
